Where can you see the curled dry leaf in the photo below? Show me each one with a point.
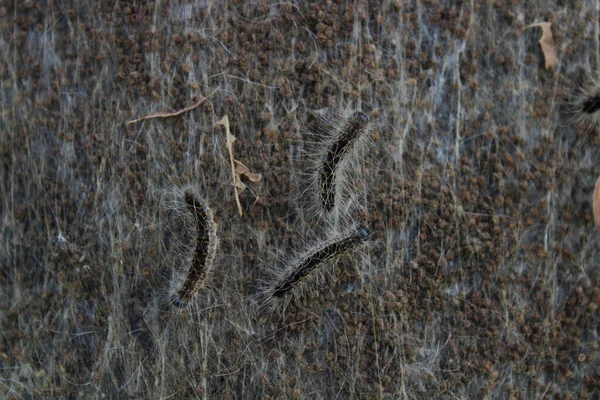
(596, 203)
(239, 184)
(547, 43)
(244, 170)
(240, 169)
(236, 179)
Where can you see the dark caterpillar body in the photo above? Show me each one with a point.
(336, 153)
(203, 252)
(591, 105)
(318, 256)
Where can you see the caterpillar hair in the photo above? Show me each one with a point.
(204, 250)
(591, 104)
(341, 146)
(582, 104)
(308, 261)
(331, 165)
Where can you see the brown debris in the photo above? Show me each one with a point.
(166, 114)
(547, 43)
(235, 176)
(242, 169)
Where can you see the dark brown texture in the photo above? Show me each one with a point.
(481, 279)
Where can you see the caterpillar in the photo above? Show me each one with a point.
(204, 251)
(591, 104)
(318, 255)
(341, 146)
(581, 103)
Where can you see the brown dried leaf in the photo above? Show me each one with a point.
(254, 177)
(230, 139)
(239, 184)
(167, 114)
(241, 168)
(244, 170)
(547, 43)
(596, 203)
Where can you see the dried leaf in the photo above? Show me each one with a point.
(230, 139)
(239, 184)
(596, 203)
(166, 114)
(254, 177)
(244, 170)
(547, 43)
(241, 168)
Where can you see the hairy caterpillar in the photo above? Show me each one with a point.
(341, 146)
(316, 256)
(591, 104)
(204, 251)
(582, 103)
